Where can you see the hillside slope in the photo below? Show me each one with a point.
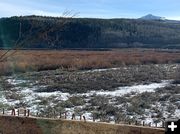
(20, 125)
(50, 32)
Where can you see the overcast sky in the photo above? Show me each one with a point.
(92, 8)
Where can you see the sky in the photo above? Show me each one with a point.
(92, 8)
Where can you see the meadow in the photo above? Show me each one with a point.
(38, 60)
(120, 85)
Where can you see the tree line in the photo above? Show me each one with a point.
(58, 33)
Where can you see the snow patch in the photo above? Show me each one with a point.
(129, 89)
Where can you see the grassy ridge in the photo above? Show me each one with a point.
(22, 125)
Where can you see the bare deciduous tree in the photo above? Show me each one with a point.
(25, 37)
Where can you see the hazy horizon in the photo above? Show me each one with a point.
(92, 9)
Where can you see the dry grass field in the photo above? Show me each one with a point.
(37, 60)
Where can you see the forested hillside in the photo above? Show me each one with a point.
(57, 33)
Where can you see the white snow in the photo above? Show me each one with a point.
(129, 89)
(30, 96)
(16, 82)
(177, 113)
(102, 70)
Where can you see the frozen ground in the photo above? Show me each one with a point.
(31, 97)
(120, 91)
(22, 92)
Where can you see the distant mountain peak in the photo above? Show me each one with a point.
(152, 17)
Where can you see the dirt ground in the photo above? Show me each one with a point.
(22, 125)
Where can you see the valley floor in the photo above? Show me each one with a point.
(131, 93)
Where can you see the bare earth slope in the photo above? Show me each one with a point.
(20, 125)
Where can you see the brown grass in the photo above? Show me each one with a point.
(36, 60)
(21, 125)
